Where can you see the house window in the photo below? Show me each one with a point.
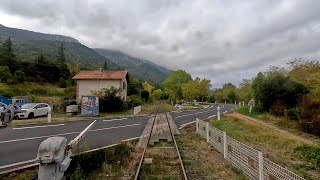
(124, 86)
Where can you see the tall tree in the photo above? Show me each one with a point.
(61, 59)
(7, 56)
(105, 66)
(172, 85)
(64, 70)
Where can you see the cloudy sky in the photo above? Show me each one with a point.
(224, 41)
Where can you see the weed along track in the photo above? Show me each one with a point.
(160, 156)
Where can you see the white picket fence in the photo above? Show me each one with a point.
(248, 159)
(136, 110)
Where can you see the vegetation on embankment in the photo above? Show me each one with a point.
(278, 147)
(289, 93)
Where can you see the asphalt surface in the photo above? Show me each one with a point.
(19, 144)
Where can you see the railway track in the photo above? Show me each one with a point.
(160, 159)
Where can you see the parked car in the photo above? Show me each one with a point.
(32, 110)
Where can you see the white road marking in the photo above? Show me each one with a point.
(212, 116)
(116, 127)
(104, 147)
(31, 127)
(63, 134)
(183, 125)
(18, 163)
(109, 120)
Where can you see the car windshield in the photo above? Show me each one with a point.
(28, 106)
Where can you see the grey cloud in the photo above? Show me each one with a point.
(225, 41)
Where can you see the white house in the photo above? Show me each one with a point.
(90, 81)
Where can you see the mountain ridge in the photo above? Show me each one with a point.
(29, 44)
(144, 70)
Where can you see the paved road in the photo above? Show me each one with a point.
(21, 143)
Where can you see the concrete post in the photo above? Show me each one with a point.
(225, 102)
(225, 151)
(242, 103)
(235, 103)
(218, 112)
(260, 165)
(197, 125)
(250, 109)
(49, 114)
(207, 131)
(239, 104)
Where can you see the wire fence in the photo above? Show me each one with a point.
(244, 157)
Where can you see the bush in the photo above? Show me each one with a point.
(134, 101)
(291, 114)
(110, 100)
(308, 111)
(5, 90)
(311, 153)
(145, 95)
(277, 108)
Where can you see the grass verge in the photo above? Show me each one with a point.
(201, 160)
(275, 145)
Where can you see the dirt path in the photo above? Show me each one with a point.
(304, 138)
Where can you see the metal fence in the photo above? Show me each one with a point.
(246, 158)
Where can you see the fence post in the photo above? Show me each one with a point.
(260, 165)
(207, 131)
(197, 125)
(225, 145)
(49, 114)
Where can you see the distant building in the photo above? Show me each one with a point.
(90, 81)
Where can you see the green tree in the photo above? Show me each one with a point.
(5, 75)
(134, 86)
(276, 89)
(61, 58)
(225, 93)
(105, 66)
(61, 61)
(19, 76)
(7, 56)
(157, 94)
(172, 85)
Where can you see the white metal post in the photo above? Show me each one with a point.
(225, 145)
(218, 112)
(260, 165)
(49, 114)
(197, 125)
(207, 131)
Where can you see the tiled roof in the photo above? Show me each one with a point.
(101, 75)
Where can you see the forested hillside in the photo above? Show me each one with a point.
(28, 45)
(141, 69)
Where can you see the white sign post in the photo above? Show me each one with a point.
(49, 114)
(251, 105)
(218, 112)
